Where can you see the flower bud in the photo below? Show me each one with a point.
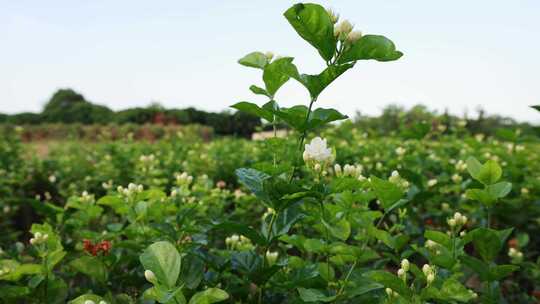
(345, 27)
(269, 55)
(271, 257)
(334, 17)
(89, 302)
(426, 269)
(150, 276)
(337, 170)
(451, 222)
(354, 36)
(401, 273)
(430, 278)
(102, 302)
(405, 265)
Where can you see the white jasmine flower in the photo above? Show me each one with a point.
(318, 151)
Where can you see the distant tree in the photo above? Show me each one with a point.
(68, 106)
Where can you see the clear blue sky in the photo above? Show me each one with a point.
(458, 54)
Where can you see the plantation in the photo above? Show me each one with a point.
(331, 213)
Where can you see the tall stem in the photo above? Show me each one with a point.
(265, 249)
(302, 137)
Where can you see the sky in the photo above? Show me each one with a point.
(459, 55)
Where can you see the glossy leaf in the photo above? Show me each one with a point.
(253, 109)
(312, 22)
(374, 47)
(254, 60)
(314, 295)
(277, 73)
(209, 296)
(163, 259)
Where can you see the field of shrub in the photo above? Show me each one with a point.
(332, 213)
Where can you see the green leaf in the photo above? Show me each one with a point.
(12, 292)
(243, 229)
(294, 116)
(390, 281)
(383, 236)
(312, 22)
(499, 190)
(320, 117)
(285, 220)
(254, 60)
(536, 107)
(314, 295)
(500, 272)
(317, 83)
(439, 237)
(388, 193)
(115, 202)
(253, 109)
(192, 271)
(163, 295)
(483, 196)
(209, 296)
(473, 166)
(340, 230)
(91, 266)
(488, 173)
(277, 73)
(374, 47)
(487, 243)
(86, 297)
(253, 180)
(477, 266)
(452, 289)
(163, 259)
(258, 90)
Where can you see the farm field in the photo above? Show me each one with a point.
(102, 205)
(270, 204)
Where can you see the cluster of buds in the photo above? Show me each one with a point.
(94, 249)
(131, 189)
(354, 171)
(461, 166)
(86, 197)
(458, 220)
(107, 185)
(430, 273)
(402, 272)
(456, 178)
(391, 293)
(92, 302)
(271, 257)
(147, 158)
(343, 30)
(183, 179)
(269, 56)
(239, 242)
(396, 179)
(400, 151)
(39, 238)
(515, 255)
